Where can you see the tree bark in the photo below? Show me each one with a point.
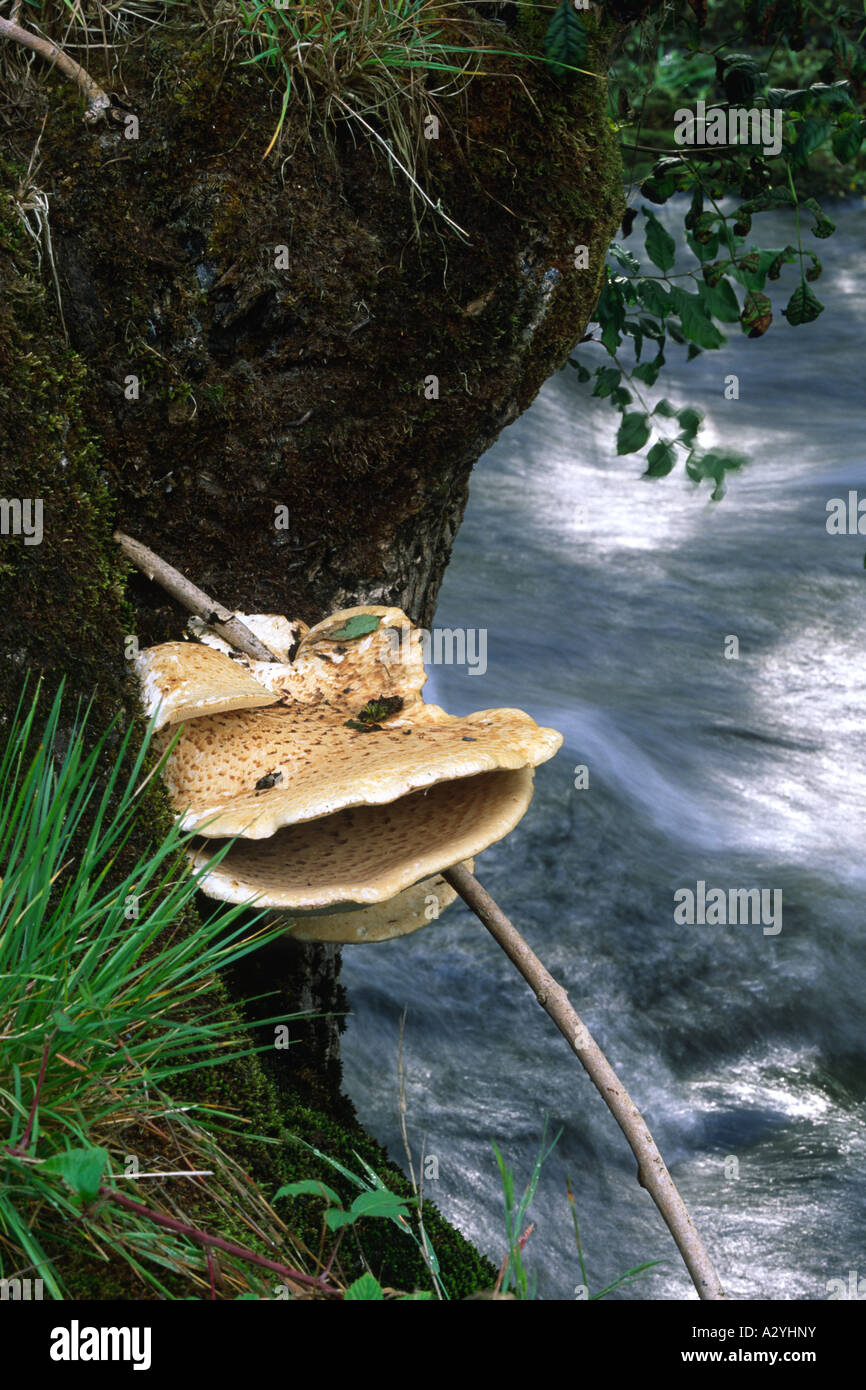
(271, 381)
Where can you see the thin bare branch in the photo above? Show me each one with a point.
(194, 599)
(98, 101)
(652, 1170)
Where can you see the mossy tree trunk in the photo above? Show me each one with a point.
(269, 379)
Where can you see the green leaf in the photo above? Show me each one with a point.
(694, 320)
(774, 272)
(654, 297)
(665, 408)
(690, 422)
(714, 464)
(62, 1021)
(719, 300)
(757, 314)
(309, 1187)
(823, 226)
(82, 1169)
(610, 315)
(606, 378)
(773, 198)
(380, 1202)
(623, 257)
(633, 433)
(811, 134)
(752, 267)
(636, 332)
(706, 251)
(660, 245)
(740, 75)
(583, 373)
(803, 307)
(660, 459)
(566, 39)
(704, 227)
(847, 142)
(816, 269)
(669, 175)
(356, 626)
(648, 372)
(366, 1289)
(620, 397)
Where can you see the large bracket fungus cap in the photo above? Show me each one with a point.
(344, 786)
(410, 910)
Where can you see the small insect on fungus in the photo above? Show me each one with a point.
(270, 779)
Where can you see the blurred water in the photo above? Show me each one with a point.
(607, 600)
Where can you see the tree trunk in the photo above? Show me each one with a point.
(270, 380)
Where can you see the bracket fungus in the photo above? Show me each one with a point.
(320, 843)
(348, 795)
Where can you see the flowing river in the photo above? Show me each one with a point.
(609, 602)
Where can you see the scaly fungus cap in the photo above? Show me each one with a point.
(344, 786)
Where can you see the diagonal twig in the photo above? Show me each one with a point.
(652, 1170)
(194, 599)
(98, 101)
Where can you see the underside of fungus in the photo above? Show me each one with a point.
(343, 787)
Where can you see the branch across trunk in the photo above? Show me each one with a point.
(98, 101)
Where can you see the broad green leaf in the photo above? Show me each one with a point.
(811, 134)
(665, 408)
(669, 175)
(633, 328)
(357, 626)
(690, 422)
(847, 142)
(703, 251)
(654, 297)
(693, 318)
(623, 257)
(660, 459)
(714, 464)
(379, 1203)
(740, 75)
(660, 245)
(366, 1289)
(803, 307)
(610, 315)
(633, 433)
(720, 300)
(82, 1169)
(583, 373)
(647, 372)
(336, 1218)
(606, 378)
(620, 397)
(309, 1187)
